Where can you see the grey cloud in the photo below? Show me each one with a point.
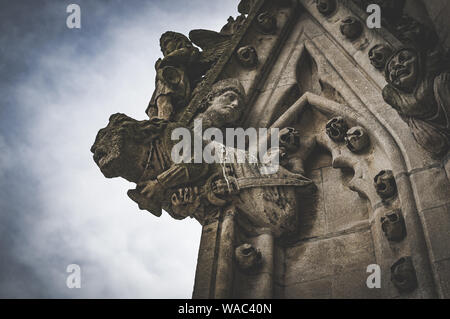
(56, 207)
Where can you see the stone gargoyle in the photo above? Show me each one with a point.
(137, 151)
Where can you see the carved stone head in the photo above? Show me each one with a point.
(385, 184)
(121, 148)
(267, 23)
(247, 56)
(224, 104)
(403, 275)
(393, 226)
(378, 55)
(326, 7)
(248, 257)
(336, 129)
(351, 28)
(171, 41)
(357, 139)
(402, 70)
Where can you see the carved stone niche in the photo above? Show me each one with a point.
(351, 28)
(266, 23)
(393, 226)
(385, 184)
(336, 129)
(248, 258)
(357, 139)
(403, 275)
(379, 54)
(326, 7)
(247, 56)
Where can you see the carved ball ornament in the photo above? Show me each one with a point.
(403, 275)
(336, 129)
(247, 56)
(248, 257)
(357, 139)
(379, 54)
(385, 184)
(289, 138)
(351, 28)
(393, 226)
(267, 23)
(326, 7)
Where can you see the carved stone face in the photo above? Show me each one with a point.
(117, 152)
(326, 7)
(378, 55)
(351, 28)
(336, 129)
(385, 184)
(248, 257)
(403, 275)
(357, 139)
(402, 70)
(225, 108)
(393, 226)
(247, 56)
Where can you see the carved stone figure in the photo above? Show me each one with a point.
(351, 28)
(357, 139)
(385, 184)
(174, 75)
(403, 275)
(248, 257)
(247, 56)
(393, 226)
(379, 54)
(336, 129)
(326, 7)
(419, 90)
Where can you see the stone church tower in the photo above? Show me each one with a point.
(362, 194)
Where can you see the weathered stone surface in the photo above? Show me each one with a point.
(311, 229)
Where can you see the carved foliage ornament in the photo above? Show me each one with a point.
(393, 226)
(351, 28)
(357, 139)
(385, 184)
(326, 7)
(379, 54)
(419, 90)
(267, 23)
(248, 257)
(403, 275)
(336, 129)
(247, 56)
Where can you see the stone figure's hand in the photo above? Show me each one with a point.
(185, 201)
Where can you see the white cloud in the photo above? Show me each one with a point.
(84, 218)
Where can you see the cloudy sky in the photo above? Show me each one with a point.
(58, 86)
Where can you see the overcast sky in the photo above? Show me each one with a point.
(58, 87)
